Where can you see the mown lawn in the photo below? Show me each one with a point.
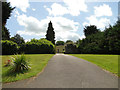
(107, 62)
(37, 61)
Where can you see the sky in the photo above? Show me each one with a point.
(69, 17)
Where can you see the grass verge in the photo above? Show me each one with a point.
(37, 61)
(107, 62)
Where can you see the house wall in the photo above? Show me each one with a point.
(60, 49)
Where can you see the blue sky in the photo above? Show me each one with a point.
(30, 19)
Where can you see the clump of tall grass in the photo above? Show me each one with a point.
(20, 64)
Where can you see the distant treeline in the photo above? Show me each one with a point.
(100, 42)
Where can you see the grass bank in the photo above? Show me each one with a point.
(37, 61)
(107, 62)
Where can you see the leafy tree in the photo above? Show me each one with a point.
(92, 44)
(118, 22)
(6, 11)
(105, 42)
(5, 34)
(18, 39)
(78, 42)
(69, 41)
(34, 40)
(92, 29)
(71, 48)
(50, 33)
(60, 43)
(112, 39)
(9, 47)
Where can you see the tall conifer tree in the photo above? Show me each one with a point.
(50, 33)
(6, 13)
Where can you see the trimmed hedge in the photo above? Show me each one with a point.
(70, 49)
(35, 46)
(9, 47)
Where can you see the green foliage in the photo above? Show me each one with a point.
(9, 47)
(106, 42)
(59, 43)
(5, 33)
(92, 44)
(78, 42)
(50, 33)
(71, 48)
(20, 64)
(88, 30)
(22, 48)
(112, 39)
(39, 46)
(69, 41)
(18, 39)
(32, 47)
(6, 12)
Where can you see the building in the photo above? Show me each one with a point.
(69, 47)
(60, 49)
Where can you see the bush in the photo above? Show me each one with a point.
(19, 64)
(70, 48)
(22, 48)
(9, 47)
(92, 48)
(41, 46)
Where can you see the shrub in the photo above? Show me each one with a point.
(39, 46)
(19, 64)
(70, 48)
(22, 49)
(9, 47)
(92, 48)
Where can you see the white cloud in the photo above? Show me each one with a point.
(103, 10)
(97, 19)
(63, 24)
(66, 35)
(100, 23)
(33, 9)
(21, 4)
(64, 28)
(31, 24)
(26, 40)
(57, 9)
(16, 13)
(45, 6)
(73, 7)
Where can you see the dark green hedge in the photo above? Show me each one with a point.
(35, 46)
(9, 47)
(71, 49)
